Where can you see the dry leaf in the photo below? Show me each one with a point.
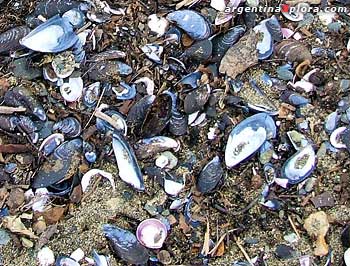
(53, 215)
(220, 250)
(15, 225)
(183, 225)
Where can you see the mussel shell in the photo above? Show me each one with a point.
(8, 123)
(53, 36)
(199, 51)
(138, 111)
(20, 96)
(69, 126)
(26, 125)
(72, 90)
(9, 40)
(222, 42)
(107, 70)
(345, 138)
(129, 170)
(298, 167)
(274, 27)
(247, 137)
(50, 143)
(178, 124)
(157, 117)
(119, 119)
(196, 99)
(60, 165)
(292, 51)
(75, 17)
(66, 261)
(51, 8)
(149, 147)
(265, 45)
(294, 98)
(91, 94)
(193, 23)
(210, 176)
(125, 245)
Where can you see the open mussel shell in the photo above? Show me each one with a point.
(125, 245)
(274, 27)
(193, 23)
(72, 90)
(147, 148)
(129, 170)
(247, 137)
(9, 40)
(20, 96)
(222, 42)
(91, 94)
(210, 176)
(55, 35)
(265, 43)
(298, 167)
(60, 165)
(50, 143)
(157, 117)
(69, 126)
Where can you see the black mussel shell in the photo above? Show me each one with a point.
(157, 117)
(210, 176)
(199, 51)
(125, 245)
(9, 40)
(222, 42)
(178, 124)
(26, 125)
(20, 96)
(8, 123)
(70, 127)
(345, 237)
(61, 165)
(196, 99)
(274, 27)
(138, 111)
(345, 138)
(51, 8)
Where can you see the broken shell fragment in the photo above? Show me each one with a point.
(293, 51)
(149, 147)
(51, 143)
(85, 181)
(336, 139)
(107, 70)
(317, 226)
(158, 25)
(151, 233)
(124, 91)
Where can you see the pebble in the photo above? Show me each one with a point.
(291, 238)
(285, 252)
(323, 200)
(164, 257)
(4, 237)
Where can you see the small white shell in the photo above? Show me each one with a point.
(72, 90)
(77, 254)
(46, 257)
(219, 5)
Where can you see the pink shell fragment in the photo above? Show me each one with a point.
(305, 85)
(287, 33)
(282, 182)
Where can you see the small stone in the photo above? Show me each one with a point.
(323, 200)
(164, 257)
(285, 252)
(39, 226)
(345, 84)
(27, 243)
(4, 237)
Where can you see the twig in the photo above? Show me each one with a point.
(243, 251)
(11, 110)
(293, 226)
